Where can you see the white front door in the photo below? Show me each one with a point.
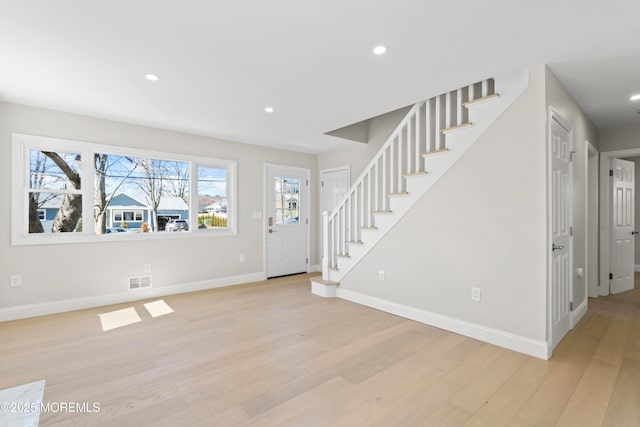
(286, 231)
(561, 223)
(622, 227)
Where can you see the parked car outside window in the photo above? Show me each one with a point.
(177, 225)
(118, 230)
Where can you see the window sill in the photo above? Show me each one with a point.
(79, 238)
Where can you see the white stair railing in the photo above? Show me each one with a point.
(422, 132)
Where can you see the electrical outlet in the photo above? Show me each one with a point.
(381, 275)
(147, 268)
(475, 294)
(16, 280)
(242, 258)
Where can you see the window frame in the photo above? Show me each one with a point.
(22, 144)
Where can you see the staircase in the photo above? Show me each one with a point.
(430, 139)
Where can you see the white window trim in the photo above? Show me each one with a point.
(21, 146)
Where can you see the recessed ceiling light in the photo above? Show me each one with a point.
(379, 50)
(151, 77)
(269, 109)
(635, 97)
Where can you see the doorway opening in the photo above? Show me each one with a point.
(617, 220)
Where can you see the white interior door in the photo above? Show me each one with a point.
(622, 227)
(334, 186)
(287, 220)
(561, 222)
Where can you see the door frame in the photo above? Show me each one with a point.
(321, 172)
(591, 221)
(265, 214)
(553, 115)
(605, 212)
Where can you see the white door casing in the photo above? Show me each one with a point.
(334, 184)
(286, 225)
(605, 221)
(622, 225)
(591, 208)
(561, 229)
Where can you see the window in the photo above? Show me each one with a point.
(63, 188)
(287, 191)
(54, 183)
(127, 215)
(212, 191)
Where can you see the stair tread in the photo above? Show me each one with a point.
(383, 212)
(407, 175)
(480, 100)
(343, 255)
(369, 228)
(355, 242)
(319, 279)
(402, 193)
(456, 127)
(440, 151)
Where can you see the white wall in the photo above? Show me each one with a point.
(58, 272)
(483, 225)
(620, 138)
(583, 129)
(358, 155)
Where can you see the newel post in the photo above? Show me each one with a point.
(325, 245)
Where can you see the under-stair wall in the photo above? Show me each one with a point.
(431, 138)
(483, 225)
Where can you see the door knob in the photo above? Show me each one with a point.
(634, 232)
(272, 231)
(556, 248)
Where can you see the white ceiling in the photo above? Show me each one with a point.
(221, 62)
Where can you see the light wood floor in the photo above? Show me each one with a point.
(270, 353)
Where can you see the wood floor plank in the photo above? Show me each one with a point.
(271, 353)
(632, 350)
(613, 343)
(477, 392)
(503, 406)
(624, 406)
(547, 404)
(588, 403)
(447, 414)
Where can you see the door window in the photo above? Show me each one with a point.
(287, 192)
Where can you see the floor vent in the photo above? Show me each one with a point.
(137, 282)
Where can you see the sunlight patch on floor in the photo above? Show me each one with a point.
(118, 318)
(158, 308)
(23, 404)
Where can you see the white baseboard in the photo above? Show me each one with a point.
(637, 267)
(42, 309)
(577, 314)
(539, 349)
